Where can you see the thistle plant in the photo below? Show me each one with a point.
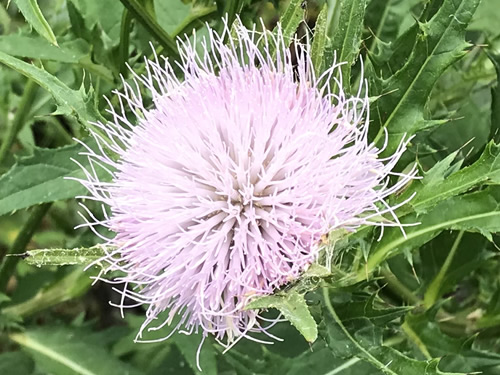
(222, 190)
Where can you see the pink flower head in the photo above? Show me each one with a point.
(222, 188)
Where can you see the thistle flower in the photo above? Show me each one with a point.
(223, 186)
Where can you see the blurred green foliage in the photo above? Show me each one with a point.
(423, 302)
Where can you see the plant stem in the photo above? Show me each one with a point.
(9, 263)
(18, 121)
(413, 336)
(124, 41)
(398, 287)
(230, 9)
(142, 15)
(432, 293)
(73, 285)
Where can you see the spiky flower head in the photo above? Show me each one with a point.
(223, 186)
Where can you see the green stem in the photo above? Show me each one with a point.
(399, 288)
(413, 336)
(381, 366)
(124, 41)
(230, 9)
(8, 265)
(141, 14)
(73, 285)
(18, 122)
(432, 293)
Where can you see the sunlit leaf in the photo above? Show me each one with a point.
(294, 308)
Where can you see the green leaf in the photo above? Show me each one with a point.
(69, 102)
(346, 36)
(366, 309)
(383, 19)
(147, 20)
(253, 362)
(41, 178)
(294, 308)
(38, 48)
(487, 18)
(476, 212)
(319, 43)
(34, 16)
(62, 257)
(443, 181)
(460, 352)
(16, 363)
(9, 322)
(188, 346)
(360, 338)
(320, 360)
(495, 98)
(448, 260)
(170, 13)
(400, 364)
(75, 51)
(291, 19)
(403, 96)
(62, 351)
(73, 285)
(106, 16)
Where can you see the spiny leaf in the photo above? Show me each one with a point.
(443, 181)
(403, 96)
(291, 19)
(69, 102)
(38, 48)
(360, 338)
(383, 19)
(61, 257)
(76, 51)
(41, 178)
(459, 351)
(346, 36)
(319, 42)
(367, 309)
(476, 212)
(294, 308)
(34, 16)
